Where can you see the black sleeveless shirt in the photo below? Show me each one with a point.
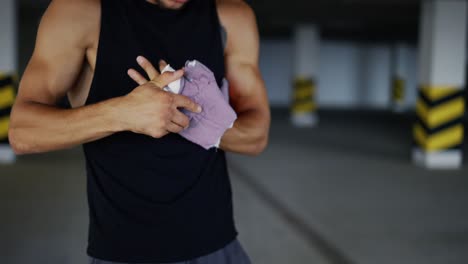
(155, 200)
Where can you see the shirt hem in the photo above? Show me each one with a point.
(151, 259)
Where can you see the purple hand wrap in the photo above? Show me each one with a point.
(206, 128)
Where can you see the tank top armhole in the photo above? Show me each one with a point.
(222, 29)
(97, 66)
(223, 36)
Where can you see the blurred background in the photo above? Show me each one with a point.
(366, 162)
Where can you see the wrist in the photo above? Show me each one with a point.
(115, 118)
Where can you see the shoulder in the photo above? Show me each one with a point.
(77, 19)
(240, 23)
(235, 12)
(77, 10)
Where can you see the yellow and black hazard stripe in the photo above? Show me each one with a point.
(7, 98)
(440, 112)
(303, 100)
(398, 89)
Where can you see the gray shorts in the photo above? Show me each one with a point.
(233, 253)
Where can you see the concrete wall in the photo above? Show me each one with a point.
(352, 74)
(8, 36)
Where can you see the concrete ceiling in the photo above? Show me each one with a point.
(363, 19)
(348, 19)
(33, 3)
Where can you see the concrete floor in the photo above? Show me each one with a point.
(344, 192)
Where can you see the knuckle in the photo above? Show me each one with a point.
(166, 98)
(170, 98)
(156, 84)
(186, 102)
(185, 122)
(154, 96)
(168, 114)
(190, 102)
(167, 76)
(164, 121)
(169, 119)
(156, 133)
(161, 97)
(151, 85)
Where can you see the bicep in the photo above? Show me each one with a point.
(47, 80)
(57, 59)
(247, 89)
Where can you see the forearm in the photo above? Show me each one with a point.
(38, 128)
(249, 135)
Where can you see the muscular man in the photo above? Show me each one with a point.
(154, 197)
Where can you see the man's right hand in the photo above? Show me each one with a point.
(150, 110)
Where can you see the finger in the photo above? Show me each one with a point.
(168, 77)
(162, 65)
(148, 67)
(180, 119)
(136, 76)
(157, 84)
(185, 102)
(174, 128)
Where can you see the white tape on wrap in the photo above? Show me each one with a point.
(174, 86)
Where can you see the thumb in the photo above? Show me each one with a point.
(168, 77)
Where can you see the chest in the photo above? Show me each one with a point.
(119, 41)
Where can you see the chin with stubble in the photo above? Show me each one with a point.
(169, 4)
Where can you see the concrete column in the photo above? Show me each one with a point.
(8, 71)
(438, 134)
(306, 66)
(400, 68)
